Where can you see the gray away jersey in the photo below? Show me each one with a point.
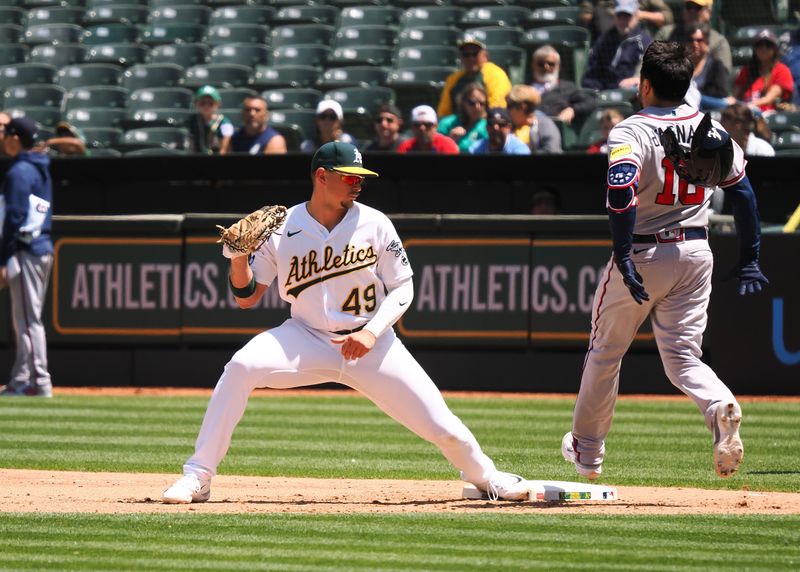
(665, 202)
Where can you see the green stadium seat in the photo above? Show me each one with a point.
(118, 54)
(45, 116)
(249, 55)
(55, 15)
(260, 15)
(354, 76)
(237, 34)
(81, 75)
(219, 75)
(361, 55)
(365, 35)
(741, 55)
(495, 15)
(303, 118)
(53, 34)
(104, 152)
(293, 134)
(500, 36)
(571, 42)
(292, 98)
(232, 97)
(306, 14)
(302, 54)
(369, 15)
(180, 14)
(155, 117)
(301, 34)
(155, 152)
(59, 55)
(12, 15)
(96, 96)
(747, 12)
(101, 137)
(95, 117)
(158, 4)
(430, 15)
(94, 4)
(428, 36)
(418, 86)
(160, 98)
(152, 75)
(40, 95)
(553, 16)
(620, 98)
(13, 54)
(427, 56)
(512, 59)
(156, 34)
(113, 33)
(746, 35)
(10, 33)
(536, 4)
(362, 100)
(272, 77)
(345, 3)
(174, 138)
(23, 74)
(115, 14)
(781, 121)
(184, 55)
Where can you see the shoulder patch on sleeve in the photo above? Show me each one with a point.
(620, 151)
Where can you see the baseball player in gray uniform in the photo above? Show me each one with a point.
(661, 264)
(342, 267)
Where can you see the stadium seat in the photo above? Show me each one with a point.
(553, 16)
(45, 116)
(359, 105)
(101, 137)
(220, 75)
(500, 36)
(119, 54)
(10, 33)
(782, 121)
(23, 74)
(114, 33)
(95, 117)
(746, 35)
(428, 36)
(55, 15)
(159, 117)
(260, 15)
(495, 15)
(536, 4)
(232, 97)
(184, 55)
(158, 4)
(292, 98)
(58, 56)
(272, 77)
(180, 14)
(155, 152)
(40, 95)
(152, 75)
(174, 138)
(249, 55)
(741, 55)
(12, 15)
(81, 75)
(156, 34)
(303, 118)
(94, 4)
(417, 86)
(747, 12)
(412, 57)
(369, 15)
(13, 54)
(430, 15)
(571, 42)
(96, 96)
(303, 54)
(293, 134)
(353, 76)
(620, 98)
(53, 34)
(301, 34)
(237, 34)
(365, 35)
(103, 152)
(361, 55)
(160, 98)
(306, 14)
(117, 14)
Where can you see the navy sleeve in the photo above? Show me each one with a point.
(745, 213)
(16, 191)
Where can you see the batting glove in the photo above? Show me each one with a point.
(633, 280)
(750, 278)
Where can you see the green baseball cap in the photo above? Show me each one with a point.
(209, 91)
(342, 158)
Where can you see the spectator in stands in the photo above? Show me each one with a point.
(388, 122)
(531, 124)
(69, 140)
(501, 140)
(546, 201)
(698, 12)
(426, 138)
(608, 120)
(560, 98)
(598, 15)
(740, 122)
(791, 57)
(330, 127)
(212, 131)
(475, 68)
(710, 78)
(4, 119)
(255, 136)
(617, 55)
(765, 81)
(468, 125)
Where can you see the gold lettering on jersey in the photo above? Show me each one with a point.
(309, 270)
(620, 151)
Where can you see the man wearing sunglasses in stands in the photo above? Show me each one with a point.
(475, 68)
(388, 122)
(426, 139)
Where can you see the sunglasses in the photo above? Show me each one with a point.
(545, 63)
(470, 53)
(475, 102)
(388, 119)
(351, 180)
(421, 124)
(328, 116)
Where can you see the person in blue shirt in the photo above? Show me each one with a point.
(255, 136)
(501, 139)
(26, 255)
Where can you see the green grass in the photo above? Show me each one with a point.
(398, 542)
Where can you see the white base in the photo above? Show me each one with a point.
(556, 491)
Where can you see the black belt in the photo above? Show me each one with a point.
(345, 332)
(678, 235)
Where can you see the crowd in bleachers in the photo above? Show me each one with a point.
(114, 77)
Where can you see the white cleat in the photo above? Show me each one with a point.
(591, 472)
(506, 486)
(728, 448)
(187, 489)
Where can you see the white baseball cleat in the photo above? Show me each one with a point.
(187, 489)
(506, 486)
(728, 448)
(591, 472)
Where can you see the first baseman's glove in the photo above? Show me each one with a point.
(750, 278)
(247, 235)
(633, 280)
(711, 156)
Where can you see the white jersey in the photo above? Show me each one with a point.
(665, 202)
(333, 280)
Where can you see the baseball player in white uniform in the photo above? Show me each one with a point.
(661, 264)
(342, 267)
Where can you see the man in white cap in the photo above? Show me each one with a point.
(330, 126)
(426, 139)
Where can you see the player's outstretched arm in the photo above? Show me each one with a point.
(748, 231)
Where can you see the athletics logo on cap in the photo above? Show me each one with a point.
(340, 157)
